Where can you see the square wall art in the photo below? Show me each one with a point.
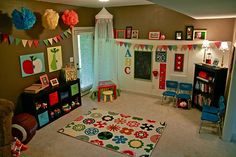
(161, 56)
(32, 64)
(54, 58)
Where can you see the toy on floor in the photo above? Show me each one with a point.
(17, 147)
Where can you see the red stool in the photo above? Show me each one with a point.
(24, 127)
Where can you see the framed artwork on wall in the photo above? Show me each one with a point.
(134, 34)
(154, 35)
(32, 64)
(179, 62)
(128, 32)
(54, 58)
(199, 34)
(189, 32)
(178, 35)
(120, 33)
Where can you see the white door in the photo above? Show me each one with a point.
(83, 46)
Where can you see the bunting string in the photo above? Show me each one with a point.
(11, 40)
(189, 47)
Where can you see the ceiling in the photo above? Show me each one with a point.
(198, 9)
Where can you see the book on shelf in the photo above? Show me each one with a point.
(34, 88)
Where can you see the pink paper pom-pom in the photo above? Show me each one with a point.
(70, 18)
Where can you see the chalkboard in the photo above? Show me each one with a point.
(142, 64)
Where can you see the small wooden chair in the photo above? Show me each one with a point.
(107, 93)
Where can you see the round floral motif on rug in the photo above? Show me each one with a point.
(79, 127)
(83, 138)
(96, 115)
(88, 121)
(136, 143)
(105, 135)
(91, 131)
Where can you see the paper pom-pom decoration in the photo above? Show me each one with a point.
(70, 18)
(50, 19)
(24, 19)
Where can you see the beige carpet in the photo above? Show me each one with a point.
(180, 138)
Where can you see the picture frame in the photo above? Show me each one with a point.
(44, 80)
(189, 33)
(120, 33)
(178, 35)
(135, 34)
(154, 35)
(128, 32)
(199, 34)
(54, 82)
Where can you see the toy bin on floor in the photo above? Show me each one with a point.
(24, 127)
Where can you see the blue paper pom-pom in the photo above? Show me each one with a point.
(23, 19)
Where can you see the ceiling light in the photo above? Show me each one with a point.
(103, 0)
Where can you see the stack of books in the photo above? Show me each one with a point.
(34, 88)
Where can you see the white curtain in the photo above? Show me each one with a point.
(105, 49)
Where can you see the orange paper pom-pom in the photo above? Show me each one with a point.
(70, 18)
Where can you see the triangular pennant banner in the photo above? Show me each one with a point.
(141, 46)
(217, 44)
(129, 45)
(17, 41)
(41, 42)
(5, 37)
(146, 47)
(121, 43)
(184, 47)
(46, 42)
(50, 41)
(151, 47)
(190, 47)
(66, 34)
(24, 42)
(36, 43)
(30, 42)
(175, 47)
(170, 47)
(11, 39)
(125, 44)
(62, 35)
(59, 37)
(55, 39)
(199, 46)
(135, 46)
(194, 46)
(165, 47)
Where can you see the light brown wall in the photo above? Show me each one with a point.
(11, 82)
(156, 18)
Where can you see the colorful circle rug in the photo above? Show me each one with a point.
(133, 136)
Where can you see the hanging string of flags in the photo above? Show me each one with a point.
(147, 47)
(6, 38)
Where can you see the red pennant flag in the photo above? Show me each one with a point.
(190, 47)
(5, 37)
(55, 39)
(165, 47)
(217, 44)
(36, 43)
(142, 46)
(121, 43)
(59, 37)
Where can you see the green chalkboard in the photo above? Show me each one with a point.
(142, 64)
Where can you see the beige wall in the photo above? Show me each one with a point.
(156, 18)
(145, 18)
(11, 82)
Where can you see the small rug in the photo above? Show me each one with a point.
(133, 136)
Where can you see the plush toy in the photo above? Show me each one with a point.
(17, 147)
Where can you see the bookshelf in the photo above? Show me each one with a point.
(209, 85)
(53, 102)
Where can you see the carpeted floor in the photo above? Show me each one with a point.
(180, 138)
